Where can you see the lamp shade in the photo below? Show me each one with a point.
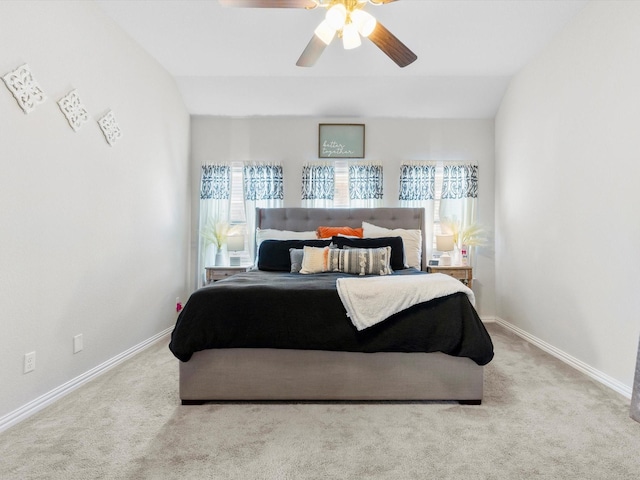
(365, 22)
(350, 36)
(444, 243)
(235, 243)
(325, 32)
(336, 16)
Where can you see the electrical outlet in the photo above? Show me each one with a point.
(77, 343)
(29, 362)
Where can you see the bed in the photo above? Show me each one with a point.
(303, 347)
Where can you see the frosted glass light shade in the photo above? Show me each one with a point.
(325, 32)
(350, 37)
(336, 16)
(365, 22)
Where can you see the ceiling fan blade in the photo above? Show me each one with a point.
(312, 52)
(394, 48)
(269, 3)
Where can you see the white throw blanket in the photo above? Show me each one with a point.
(373, 299)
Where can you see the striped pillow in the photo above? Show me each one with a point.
(360, 261)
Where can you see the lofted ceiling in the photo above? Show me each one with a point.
(242, 61)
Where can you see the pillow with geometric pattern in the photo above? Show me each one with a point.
(360, 261)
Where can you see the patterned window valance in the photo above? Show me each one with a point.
(365, 182)
(318, 182)
(417, 182)
(263, 182)
(216, 182)
(459, 181)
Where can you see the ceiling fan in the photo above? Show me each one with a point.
(347, 19)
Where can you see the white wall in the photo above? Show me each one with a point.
(567, 169)
(294, 141)
(93, 239)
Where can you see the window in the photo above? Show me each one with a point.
(437, 197)
(354, 185)
(341, 195)
(447, 191)
(236, 208)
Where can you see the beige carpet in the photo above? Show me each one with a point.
(539, 419)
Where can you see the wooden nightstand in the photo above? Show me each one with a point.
(213, 274)
(463, 273)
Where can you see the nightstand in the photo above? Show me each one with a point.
(463, 273)
(213, 274)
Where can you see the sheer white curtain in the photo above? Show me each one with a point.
(264, 188)
(417, 190)
(215, 190)
(365, 185)
(318, 185)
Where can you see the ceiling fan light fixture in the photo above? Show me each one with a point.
(325, 32)
(344, 18)
(365, 22)
(336, 16)
(350, 36)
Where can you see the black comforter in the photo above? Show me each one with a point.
(283, 310)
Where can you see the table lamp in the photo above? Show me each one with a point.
(235, 244)
(444, 244)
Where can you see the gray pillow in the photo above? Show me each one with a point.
(296, 255)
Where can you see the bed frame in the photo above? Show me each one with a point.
(255, 374)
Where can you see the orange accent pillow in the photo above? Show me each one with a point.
(328, 232)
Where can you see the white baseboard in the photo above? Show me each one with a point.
(50, 397)
(579, 365)
(487, 318)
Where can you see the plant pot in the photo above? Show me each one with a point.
(210, 254)
(222, 257)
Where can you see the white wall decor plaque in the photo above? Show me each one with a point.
(110, 127)
(24, 88)
(73, 109)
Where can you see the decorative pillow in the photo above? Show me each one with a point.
(296, 255)
(274, 256)
(411, 239)
(263, 234)
(397, 249)
(360, 261)
(328, 232)
(314, 259)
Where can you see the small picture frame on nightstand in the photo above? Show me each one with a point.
(434, 262)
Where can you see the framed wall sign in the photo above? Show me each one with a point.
(341, 140)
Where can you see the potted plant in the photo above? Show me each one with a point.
(472, 235)
(214, 235)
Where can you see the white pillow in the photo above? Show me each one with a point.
(314, 259)
(411, 241)
(273, 234)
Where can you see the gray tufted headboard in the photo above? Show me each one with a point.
(305, 219)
